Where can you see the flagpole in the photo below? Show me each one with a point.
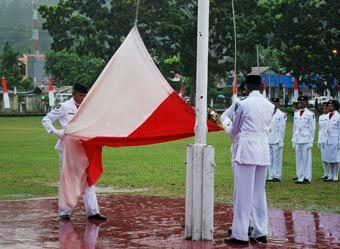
(199, 208)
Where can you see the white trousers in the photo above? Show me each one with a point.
(249, 201)
(90, 198)
(325, 165)
(275, 167)
(303, 162)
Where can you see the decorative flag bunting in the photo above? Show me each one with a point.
(122, 109)
(264, 89)
(296, 90)
(234, 89)
(5, 93)
(51, 99)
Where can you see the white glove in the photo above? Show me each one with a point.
(310, 145)
(59, 133)
(280, 144)
(293, 145)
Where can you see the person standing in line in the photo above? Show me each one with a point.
(302, 141)
(275, 139)
(250, 126)
(64, 114)
(332, 146)
(322, 139)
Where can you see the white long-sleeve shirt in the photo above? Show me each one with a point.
(333, 131)
(303, 127)
(63, 114)
(251, 125)
(277, 127)
(323, 127)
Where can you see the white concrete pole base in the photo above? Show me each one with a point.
(199, 203)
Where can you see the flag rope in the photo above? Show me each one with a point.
(137, 12)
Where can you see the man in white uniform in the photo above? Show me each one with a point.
(302, 141)
(64, 114)
(251, 125)
(332, 146)
(322, 138)
(275, 139)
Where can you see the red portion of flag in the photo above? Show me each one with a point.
(296, 84)
(50, 87)
(264, 85)
(4, 85)
(235, 86)
(172, 120)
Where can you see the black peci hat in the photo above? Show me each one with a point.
(275, 100)
(253, 79)
(80, 88)
(303, 98)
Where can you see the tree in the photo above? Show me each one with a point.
(69, 68)
(12, 69)
(168, 28)
(305, 34)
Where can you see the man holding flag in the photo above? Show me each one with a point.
(64, 114)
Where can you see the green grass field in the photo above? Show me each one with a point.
(29, 167)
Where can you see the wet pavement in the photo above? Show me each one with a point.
(150, 222)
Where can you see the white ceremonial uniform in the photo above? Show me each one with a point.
(332, 146)
(303, 137)
(251, 125)
(322, 139)
(64, 114)
(275, 139)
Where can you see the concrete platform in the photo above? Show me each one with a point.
(149, 222)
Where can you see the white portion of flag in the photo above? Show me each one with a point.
(51, 98)
(126, 93)
(15, 90)
(6, 100)
(296, 95)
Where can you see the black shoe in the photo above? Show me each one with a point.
(306, 181)
(64, 217)
(276, 180)
(323, 177)
(298, 182)
(295, 178)
(98, 217)
(269, 180)
(258, 240)
(327, 180)
(250, 230)
(235, 241)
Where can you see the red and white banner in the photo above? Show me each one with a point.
(264, 89)
(5, 93)
(296, 90)
(51, 99)
(234, 89)
(130, 104)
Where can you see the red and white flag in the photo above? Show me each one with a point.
(296, 90)
(130, 104)
(264, 89)
(5, 93)
(51, 98)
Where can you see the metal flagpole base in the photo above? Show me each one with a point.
(199, 204)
